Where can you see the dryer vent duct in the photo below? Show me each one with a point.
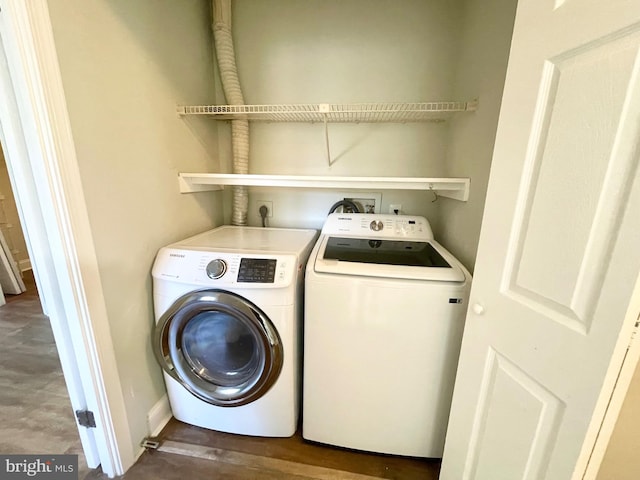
(225, 54)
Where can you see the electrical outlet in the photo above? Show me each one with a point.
(395, 208)
(365, 205)
(266, 203)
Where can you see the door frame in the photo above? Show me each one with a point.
(625, 359)
(45, 177)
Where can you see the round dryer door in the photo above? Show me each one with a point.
(219, 346)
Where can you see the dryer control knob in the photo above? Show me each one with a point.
(376, 225)
(216, 268)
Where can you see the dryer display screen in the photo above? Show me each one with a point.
(257, 270)
(385, 252)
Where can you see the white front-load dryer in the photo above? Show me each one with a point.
(228, 308)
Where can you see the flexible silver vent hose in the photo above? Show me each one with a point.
(233, 93)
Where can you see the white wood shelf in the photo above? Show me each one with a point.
(456, 188)
(334, 112)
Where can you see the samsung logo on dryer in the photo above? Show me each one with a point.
(345, 218)
(177, 255)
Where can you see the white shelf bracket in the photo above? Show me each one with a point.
(189, 185)
(435, 194)
(324, 109)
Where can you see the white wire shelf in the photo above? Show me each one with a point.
(335, 112)
(456, 188)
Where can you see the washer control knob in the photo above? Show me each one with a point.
(216, 268)
(376, 225)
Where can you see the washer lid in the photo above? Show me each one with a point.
(388, 258)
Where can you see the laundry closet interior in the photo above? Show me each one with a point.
(136, 73)
(411, 89)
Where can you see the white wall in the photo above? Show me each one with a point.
(482, 62)
(10, 221)
(621, 460)
(125, 65)
(292, 51)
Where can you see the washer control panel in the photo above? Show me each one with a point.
(366, 225)
(376, 225)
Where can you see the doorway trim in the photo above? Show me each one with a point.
(41, 159)
(614, 391)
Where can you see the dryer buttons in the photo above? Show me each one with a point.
(376, 225)
(216, 268)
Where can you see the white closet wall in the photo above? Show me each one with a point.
(316, 51)
(10, 221)
(481, 67)
(621, 461)
(124, 66)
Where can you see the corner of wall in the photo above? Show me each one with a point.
(158, 416)
(483, 56)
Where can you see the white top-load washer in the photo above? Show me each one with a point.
(384, 314)
(228, 336)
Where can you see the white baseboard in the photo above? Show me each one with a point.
(159, 416)
(24, 265)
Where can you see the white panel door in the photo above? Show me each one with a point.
(559, 250)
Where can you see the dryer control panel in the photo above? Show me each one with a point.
(225, 269)
(366, 225)
(260, 270)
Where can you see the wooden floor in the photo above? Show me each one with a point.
(36, 417)
(35, 411)
(188, 452)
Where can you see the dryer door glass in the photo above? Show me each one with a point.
(219, 346)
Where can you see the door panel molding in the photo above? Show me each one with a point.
(552, 207)
(530, 420)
